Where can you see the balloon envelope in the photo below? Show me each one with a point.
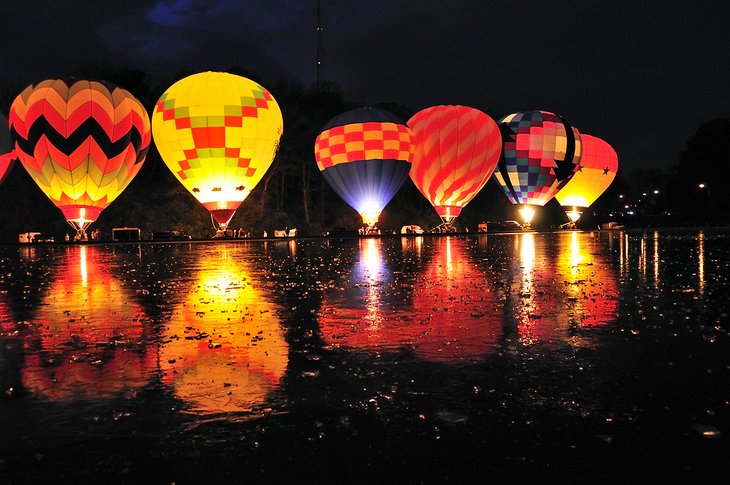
(82, 142)
(541, 153)
(457, 149)
(218, 133)
(597, 169)
(365, 155)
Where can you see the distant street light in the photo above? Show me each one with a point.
(656, 191)
(706, 188)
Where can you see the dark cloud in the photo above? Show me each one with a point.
(642, 75)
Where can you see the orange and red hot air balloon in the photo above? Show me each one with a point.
(457, 150)
(82, 141)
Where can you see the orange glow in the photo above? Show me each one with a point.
(224, 350)
(573, 215)
(93, 339)
(527, 213)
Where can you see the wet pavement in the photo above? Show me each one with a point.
(559, 357)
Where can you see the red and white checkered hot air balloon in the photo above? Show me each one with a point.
(456, 151)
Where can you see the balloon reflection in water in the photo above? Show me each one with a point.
(224, 350)
(591, 283)
(448, 314)
(589, 297)
(89, 339)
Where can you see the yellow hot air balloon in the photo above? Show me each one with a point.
(596, 171)
(218, 133)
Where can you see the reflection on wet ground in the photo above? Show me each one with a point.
(561, 356)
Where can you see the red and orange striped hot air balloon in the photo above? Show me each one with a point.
(82, 141)
(457, 150)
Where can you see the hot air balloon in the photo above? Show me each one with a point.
(7, 156)
(82, 141)
(597, 169)
(457, 149)
(218, 133)
(541, 153)
(365, 155)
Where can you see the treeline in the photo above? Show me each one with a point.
(294, 194)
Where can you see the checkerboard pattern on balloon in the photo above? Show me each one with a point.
(537, 139)
(209, 126)
(363, 141)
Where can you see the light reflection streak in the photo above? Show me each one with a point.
(624, 254)
(412, 244)
(701, 262)
(656, 259)
(371, 265)
(642, 257)
(449, 261)
(575, 256)
(525, 322)
(82, 267)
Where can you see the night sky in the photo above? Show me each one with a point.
(641, 75)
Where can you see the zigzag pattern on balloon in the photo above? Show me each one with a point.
(90, 128)
(82, 142)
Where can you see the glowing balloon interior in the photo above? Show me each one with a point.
(218, 133)
(541, 153)
(457, 149)
(81, 141)
(598, 168)
(365, 155)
